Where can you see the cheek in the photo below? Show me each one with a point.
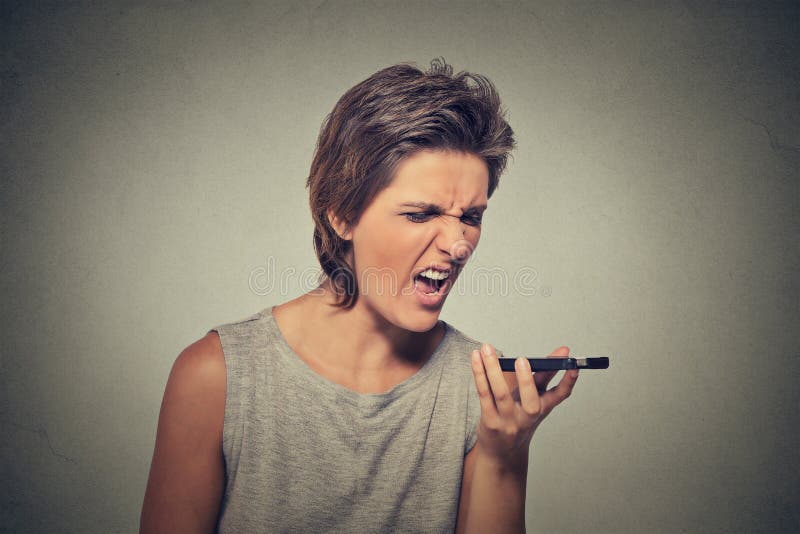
(472, 237)
(390, 246)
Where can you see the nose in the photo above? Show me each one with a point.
(452, 239)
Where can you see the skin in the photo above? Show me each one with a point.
(390, 336)
(513, 405)
(187, 472)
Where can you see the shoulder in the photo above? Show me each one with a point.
(198, 382)
(467, 343)
(460, 338)
(240, 327)
(458, 359)
(201, 363)
(193, 408)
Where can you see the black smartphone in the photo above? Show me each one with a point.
(558, 364)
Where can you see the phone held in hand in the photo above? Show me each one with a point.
(558, 364)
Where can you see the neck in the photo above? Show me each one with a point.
(355, 340)
(361, 338)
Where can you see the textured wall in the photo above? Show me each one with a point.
(153, 156)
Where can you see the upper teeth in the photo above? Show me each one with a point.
(435, 275)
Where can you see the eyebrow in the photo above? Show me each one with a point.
(434, 207)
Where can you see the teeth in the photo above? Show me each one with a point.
(435, 275)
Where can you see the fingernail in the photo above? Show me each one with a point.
(485, 350)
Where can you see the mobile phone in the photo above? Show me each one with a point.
(558, 364)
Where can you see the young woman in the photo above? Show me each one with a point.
(354, 408)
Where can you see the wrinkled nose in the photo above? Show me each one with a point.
(452, 241)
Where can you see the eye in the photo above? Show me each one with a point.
(418, 217)
(472, 220)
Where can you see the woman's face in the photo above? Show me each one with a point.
(428, 216)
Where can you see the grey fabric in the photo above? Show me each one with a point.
(304, 454)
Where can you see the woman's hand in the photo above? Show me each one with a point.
(513, 406)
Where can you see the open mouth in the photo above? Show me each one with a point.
(430, 281)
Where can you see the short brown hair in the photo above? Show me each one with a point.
(389, 116)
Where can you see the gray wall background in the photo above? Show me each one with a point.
(153, 157)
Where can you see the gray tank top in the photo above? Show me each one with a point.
(304, 454)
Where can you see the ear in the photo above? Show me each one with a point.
(339, 226)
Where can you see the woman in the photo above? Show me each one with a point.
(353, 408)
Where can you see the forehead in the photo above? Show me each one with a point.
(441, 176)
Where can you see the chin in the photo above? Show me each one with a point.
(414, 318)
(421, 320)
(422, 327)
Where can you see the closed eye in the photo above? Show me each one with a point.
(419, 217)
(472, 220)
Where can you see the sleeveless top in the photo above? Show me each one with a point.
(305, 454)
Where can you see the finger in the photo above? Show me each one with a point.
(500, 391)
(556, 395)
(542, 378)
(488, 409)
(528, 395)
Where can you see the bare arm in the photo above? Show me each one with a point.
(496, 469)
(187, 473)
(493, 496)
